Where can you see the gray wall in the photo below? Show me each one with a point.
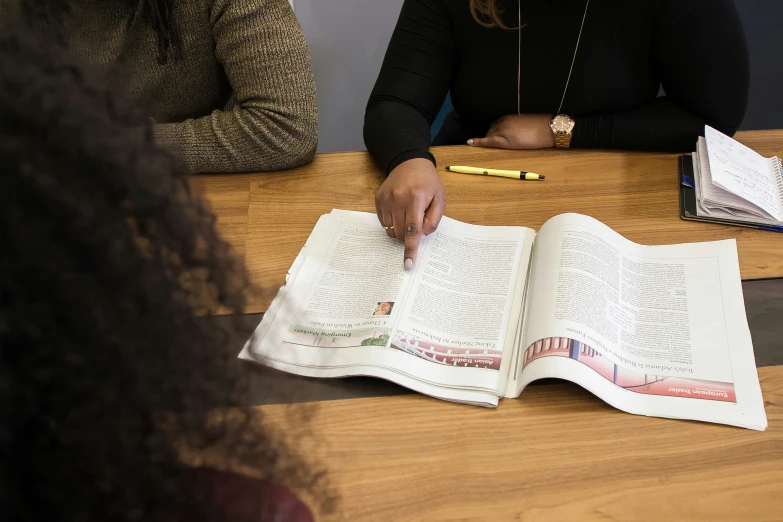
(348, 39)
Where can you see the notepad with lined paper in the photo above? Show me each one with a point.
(735, 184)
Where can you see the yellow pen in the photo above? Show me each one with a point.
(514, 174)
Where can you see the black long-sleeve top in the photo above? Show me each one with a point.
(695, 49)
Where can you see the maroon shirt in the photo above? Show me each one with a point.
(243, 499)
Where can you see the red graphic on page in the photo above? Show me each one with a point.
(624, 378)
(449, 355)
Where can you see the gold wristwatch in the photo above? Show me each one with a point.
(562, 127)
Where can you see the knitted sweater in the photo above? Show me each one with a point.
(243, 99)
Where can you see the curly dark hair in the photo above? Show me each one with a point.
(110, 376)
(49, 14)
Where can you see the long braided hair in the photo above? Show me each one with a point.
(169, 38)
(50, 14)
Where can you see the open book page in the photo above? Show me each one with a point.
(465, 301)
(346, 282)
(515, 365)
(743, 172)
(652, 330)
(335, 318)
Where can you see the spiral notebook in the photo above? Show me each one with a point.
(726, 182)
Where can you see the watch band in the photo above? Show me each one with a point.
(562, 140)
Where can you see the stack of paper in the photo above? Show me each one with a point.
(735, 183)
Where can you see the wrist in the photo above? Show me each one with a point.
(547, 135)
(415, 167)
(407, 156)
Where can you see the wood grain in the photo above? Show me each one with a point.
(556, 454)
(228, 196)
(634, 193)
(765, 142)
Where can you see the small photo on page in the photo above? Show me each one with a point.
(384, 308)
(628, 379)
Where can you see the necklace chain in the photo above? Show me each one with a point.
(519, 57)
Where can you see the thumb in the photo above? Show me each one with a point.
(495, 142)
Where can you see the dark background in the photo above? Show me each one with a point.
(763, 22)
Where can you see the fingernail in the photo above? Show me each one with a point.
(408, 264)
(470, 142)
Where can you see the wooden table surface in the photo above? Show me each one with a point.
(558, 453)
(267, 217)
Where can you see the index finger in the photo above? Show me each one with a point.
(414, 220)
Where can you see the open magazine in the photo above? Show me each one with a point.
(651, 330)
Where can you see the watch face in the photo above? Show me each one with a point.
(561, 123)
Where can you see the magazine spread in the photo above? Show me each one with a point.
(655, 331)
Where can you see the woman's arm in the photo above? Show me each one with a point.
(411, 86)
(271, 121)
(408, 94)
(701, 54)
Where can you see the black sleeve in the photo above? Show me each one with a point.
(411, 86)
(701, 54)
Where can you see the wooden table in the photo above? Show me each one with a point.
(557, 453)
(267, 217)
